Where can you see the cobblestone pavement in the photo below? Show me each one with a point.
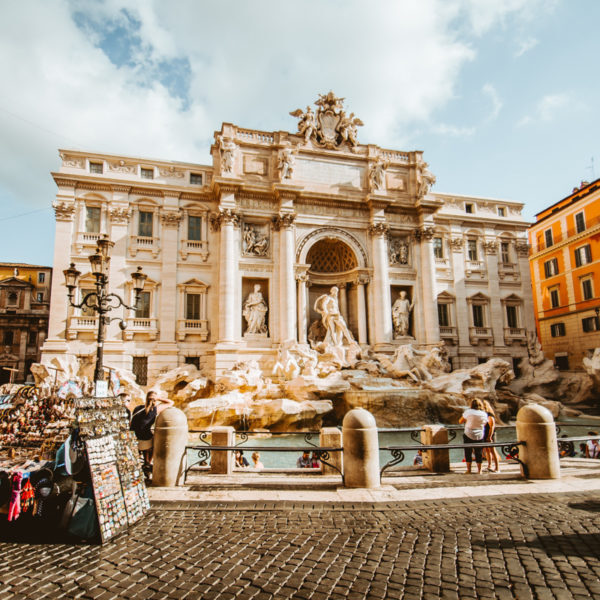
(533, 546)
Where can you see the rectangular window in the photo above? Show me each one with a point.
(505, 252)
(586, 288)
(511, 317)
(557, 330)
(96, 168)
(145, 224)
(140, 369)
(192, 307)
(472, 249)
(551, 267)
(196, 178)
(469, 208)
(478, 315)
(554, 298)
(86, 310)
(147, 173)
(548, 238)
(583, 255)
(501, 211)
(438, 248)
(589, 324)
(194, 228)
(580, 222)
(32, 337)
(443, 315)
(41, 277)
(39, 296)
(92, 219)
(143, 307)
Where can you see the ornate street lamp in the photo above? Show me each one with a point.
(101, 301)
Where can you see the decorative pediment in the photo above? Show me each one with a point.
(15, 282)
(446, 297)
(194, 283)
(479, 297)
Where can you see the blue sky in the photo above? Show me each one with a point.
(501, 95)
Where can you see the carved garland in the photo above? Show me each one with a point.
(522, 248)
(119, 215)
(456, 244)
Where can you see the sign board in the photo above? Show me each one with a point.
(101, 389)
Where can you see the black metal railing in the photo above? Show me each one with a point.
(321, 453)
(509, 450)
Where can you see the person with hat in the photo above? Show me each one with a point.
(142, 422)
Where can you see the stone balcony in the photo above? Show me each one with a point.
(147, 327)
(449, 335)
(192, 327)
(85, 239)
(509, 272)
(479, 335)
(515, 335)
(193, 248)
(82, 324)
(475, 269)
(138, 243)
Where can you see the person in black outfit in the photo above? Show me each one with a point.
(142, 422)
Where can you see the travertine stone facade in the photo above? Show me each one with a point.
(292, 213)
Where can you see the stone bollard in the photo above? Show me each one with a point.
(170, 440)
(331, 437)
(221, 462)
(535, 427)
(436, 461)
(361, 450)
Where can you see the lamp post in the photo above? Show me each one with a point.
(101, 301)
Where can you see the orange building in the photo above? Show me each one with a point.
(565, 275)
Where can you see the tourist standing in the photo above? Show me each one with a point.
(142, 422)
(490, 435)
(475, 419)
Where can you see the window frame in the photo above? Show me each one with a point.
(578, 228)
(96, 168)
(446, 313)
(198, 176)
(88, 220)
(145, 308)
(472, 250)
(190, 229)
(583, 255)
(585, 324)
(554, 293)
(548, 238)
(438, 247)
(41, 277)
(551, 267)
(147, 173)
(469, 208)
(478, 307)
(587, 288)
(142, 224)
(558, 329)
(501, 211)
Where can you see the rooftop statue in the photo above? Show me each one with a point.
(330, 127)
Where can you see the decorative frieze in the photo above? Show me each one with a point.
(63, 211)
(73, 162)
(121, 166)
(424, 233)
(171, 172)
(255, 241)
(456, 244)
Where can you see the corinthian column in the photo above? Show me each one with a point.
(431, 327)
(170, 220)
(361, 281)
(226, 221)
(284, 223)
(381, 301)
(302, 278)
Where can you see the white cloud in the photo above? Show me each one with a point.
(490, 91)
(453, 130)
(526, 45)
(547, 108)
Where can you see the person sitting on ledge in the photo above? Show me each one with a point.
(240, 460)
(304, 461)
(258, 466)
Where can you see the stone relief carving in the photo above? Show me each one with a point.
(522, 248)
(72, 161)
(226, 151)
(285, 163)
(63, 211)
(170, 218)
(171, 172)
(425, 179)
(330, 127)
(378, 229)
(424, 233)
(456, 244)
(377, 174)
(401, 313)
(122, 167)
(490, 247)
(255, 312)
(283, 220)
(119, 216)
(226, 215)
(254, 243)
(398, 251)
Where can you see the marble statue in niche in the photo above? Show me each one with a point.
(254, 242)
(336, 330)
(255, 312)
(226, 148)
(401, 313)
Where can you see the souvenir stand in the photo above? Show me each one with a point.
(92, 434)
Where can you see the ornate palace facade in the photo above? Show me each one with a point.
(237, 252)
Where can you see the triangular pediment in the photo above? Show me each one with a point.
(15, 282)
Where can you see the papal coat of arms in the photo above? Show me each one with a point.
(330, 127)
